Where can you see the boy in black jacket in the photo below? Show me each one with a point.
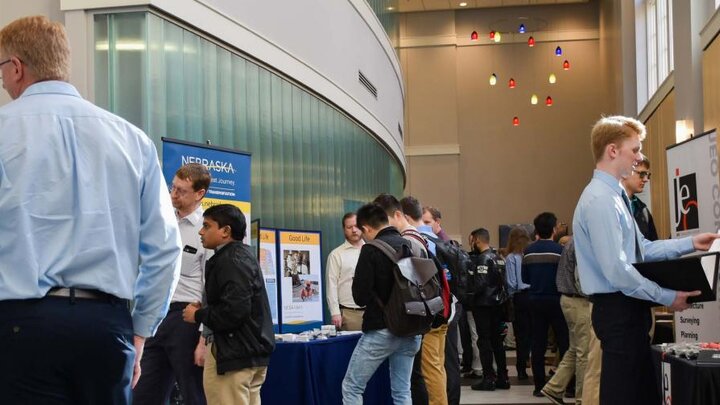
(237, 312)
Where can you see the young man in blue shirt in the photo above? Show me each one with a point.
(607, 242)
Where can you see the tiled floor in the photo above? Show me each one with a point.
(520, 392)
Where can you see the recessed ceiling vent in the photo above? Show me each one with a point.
(366, 83)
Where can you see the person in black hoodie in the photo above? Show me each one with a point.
(373, 282)
(237, 312)
(488, 309)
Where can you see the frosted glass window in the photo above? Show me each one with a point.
(308, 158)
(659, 47)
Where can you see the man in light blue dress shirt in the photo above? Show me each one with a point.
(87, 225)
(607, 242)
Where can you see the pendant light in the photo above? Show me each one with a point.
(566, 65)
(534, 99)
(474, 36)
(531, 42)
(511, 83)
(552, 79)
(549, 101)
(516, 121)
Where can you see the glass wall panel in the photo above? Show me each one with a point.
(387, 12)
(310, 162)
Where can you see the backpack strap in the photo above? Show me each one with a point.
(417, 236)
(386, 249)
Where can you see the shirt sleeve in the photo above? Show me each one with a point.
(363, 282)
(605, 233)
(334, 264)
(511, 273)
(159, 250)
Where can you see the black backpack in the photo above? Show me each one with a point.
(415, 296)
(488, 280)
(458, 263)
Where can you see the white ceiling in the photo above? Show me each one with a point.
(434, 5)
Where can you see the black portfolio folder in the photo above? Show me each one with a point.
(685, 274)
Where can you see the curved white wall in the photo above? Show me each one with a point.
(321, 44)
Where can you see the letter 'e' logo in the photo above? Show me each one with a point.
(686, 206)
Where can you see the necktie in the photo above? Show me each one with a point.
(638, 251)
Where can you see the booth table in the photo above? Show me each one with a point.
(311, 373)
(691, 383)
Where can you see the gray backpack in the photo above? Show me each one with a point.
(415, 298)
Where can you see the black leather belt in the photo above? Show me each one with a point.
(178, 306)
(352, 309)
(81, 293)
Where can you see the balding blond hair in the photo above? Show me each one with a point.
(614, 129)
(40, 44)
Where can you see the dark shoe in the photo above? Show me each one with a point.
(472, 374)
(555, 400)
(465, 370)
(522, 376)
(484, 385)
(503, 384)
(538, 394)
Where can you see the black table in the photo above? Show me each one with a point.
(691, 383)
(311, 373)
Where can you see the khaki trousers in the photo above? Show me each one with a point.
(591, 383)
(433, 365)
(240, 387)
(351, 319)
(577, 315)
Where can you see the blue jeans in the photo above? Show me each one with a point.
(371, 350)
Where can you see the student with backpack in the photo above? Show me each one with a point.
(372, 287)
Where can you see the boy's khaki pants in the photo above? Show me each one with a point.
(233, 387)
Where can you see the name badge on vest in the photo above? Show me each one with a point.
(190, 249)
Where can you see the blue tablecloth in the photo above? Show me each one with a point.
(311, 373)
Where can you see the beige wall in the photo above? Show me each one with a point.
(661, 134)
(711, 85)
(502, 174)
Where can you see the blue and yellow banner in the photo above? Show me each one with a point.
(230, 171)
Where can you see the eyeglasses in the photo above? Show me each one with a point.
(4, 62)
(179, 191)
(643, 174)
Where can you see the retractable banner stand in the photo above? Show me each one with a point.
(694, 191)
(269, 265)
(229, 169)
(300, 281)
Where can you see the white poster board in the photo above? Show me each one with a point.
(269, 266)
(301, 281)
(694, 191)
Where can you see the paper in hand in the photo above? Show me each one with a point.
(708, 262)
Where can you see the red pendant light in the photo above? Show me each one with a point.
(566, 65)
(511, 83)
(474, 36)
(492, 35)
(531, 42)
(548, 101)
(516, 121)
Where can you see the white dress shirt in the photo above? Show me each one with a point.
(340, 272)
(192, 272)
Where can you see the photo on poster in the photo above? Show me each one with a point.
(308, 290)
(296, 263)
(267, 261)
